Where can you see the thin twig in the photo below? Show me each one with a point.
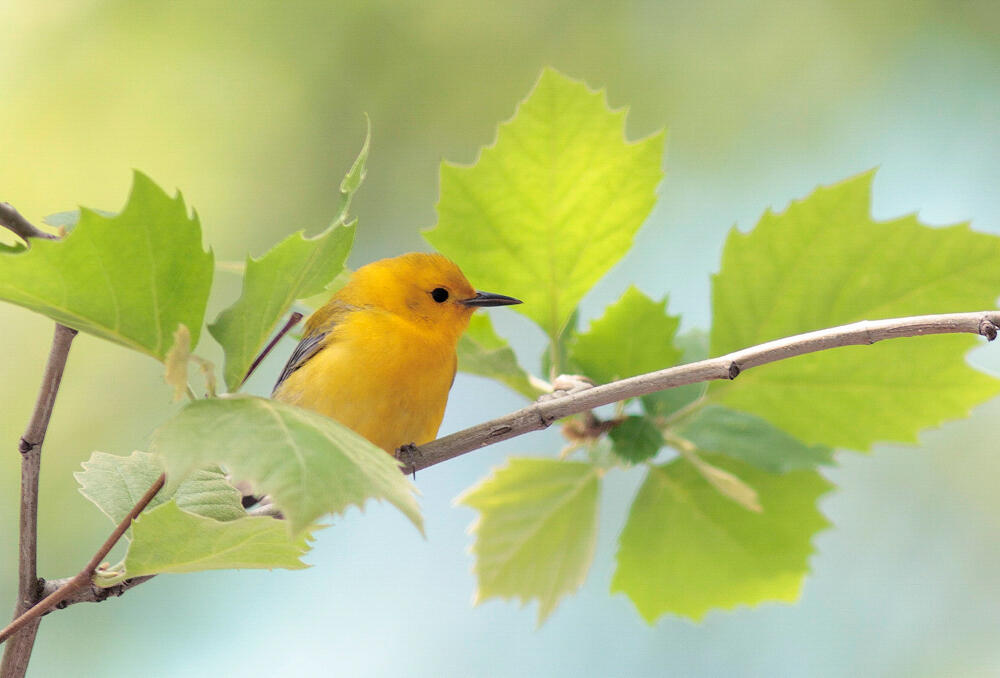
(16, 655)
(82, 578)
(293, 320)
(541, 414)
(12, 220)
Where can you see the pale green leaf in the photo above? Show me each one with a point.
(114, 484)
(167, 539)
(536, 531)
(553, 204)
(481, 351)
(132, 278)
(634, 336)
(308, 464)
(636, 439)
(176, 362)
(752, 439)
(687, 549)
(825, 262)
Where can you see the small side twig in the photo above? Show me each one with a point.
(24, 229)
(83, 577)
(293, 320)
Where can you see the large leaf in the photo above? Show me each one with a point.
(482, 352)
(295, 268)
(167, 539)
(131, 278)
(536, 530)
(825, 262)
(634, 336)
(549, 208)
(687, 549)
(308, 464)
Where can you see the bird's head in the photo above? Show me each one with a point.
(423, 288)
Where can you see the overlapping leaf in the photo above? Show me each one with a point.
(549, 208)
(825, 262)
(131, 278)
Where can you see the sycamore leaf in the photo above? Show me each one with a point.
(636, 439)
(536, 530)
(167, 539)
(308, 464)
(687, 549)
(751, 439)
(114, 484)
(634, 336)
(481, 351)
(131, 278)
(549, 208)
(825, 262)
(295, 268)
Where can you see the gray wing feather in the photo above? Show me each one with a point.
(307, 348)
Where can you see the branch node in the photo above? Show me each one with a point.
(24, 446)
(734, 370)
(988, 329)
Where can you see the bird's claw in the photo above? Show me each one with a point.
(409, 454)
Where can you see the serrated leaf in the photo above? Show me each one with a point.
(825, 262)
(751, 439)
(308, 464)
(167, 539)
(686, 549)
(114, 484)
(636, 439)
(553, 204)
(634, 336)
(693, 345)
(481, 351)
(132, 278)
(536, 531)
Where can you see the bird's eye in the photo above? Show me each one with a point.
(440, 295)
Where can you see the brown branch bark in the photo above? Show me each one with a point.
(17, 653)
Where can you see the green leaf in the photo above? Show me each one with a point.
(748, 437)
(687, 549)
(295, 268)
(308, 464)
(634, 336)
(114, 484)
(636, 439)
(549, 208)
(825, 262)
(694, 347)
(482, 352)
(131, 279)
(167, 539)
(536, 531)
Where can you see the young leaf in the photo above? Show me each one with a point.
(308, 464)
(636, 439)
(549, 208)
(176, 362)
(634, 336)
(536, 530)
(482, 352)
(295, 268)
(167, 539)
(114, 484)
(131, 278)
(825, 262)
(748, 437)
(687, 549)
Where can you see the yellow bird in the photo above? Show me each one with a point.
(379, 357)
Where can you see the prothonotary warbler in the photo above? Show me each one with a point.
(380, 356)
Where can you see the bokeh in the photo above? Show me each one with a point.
(255, 110)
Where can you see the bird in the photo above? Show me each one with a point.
(380, 356)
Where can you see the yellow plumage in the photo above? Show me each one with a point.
(379, 357)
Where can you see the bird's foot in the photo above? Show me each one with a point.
(409, 454)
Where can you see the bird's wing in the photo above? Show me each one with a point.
(317, 331)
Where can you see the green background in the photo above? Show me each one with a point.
(256, 110)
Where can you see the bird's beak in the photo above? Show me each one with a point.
(489, 299)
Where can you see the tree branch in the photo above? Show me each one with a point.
(16, 655)
(548, 409)
(83, 577)
(12, 220)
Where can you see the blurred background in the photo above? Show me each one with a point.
(256, 109)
